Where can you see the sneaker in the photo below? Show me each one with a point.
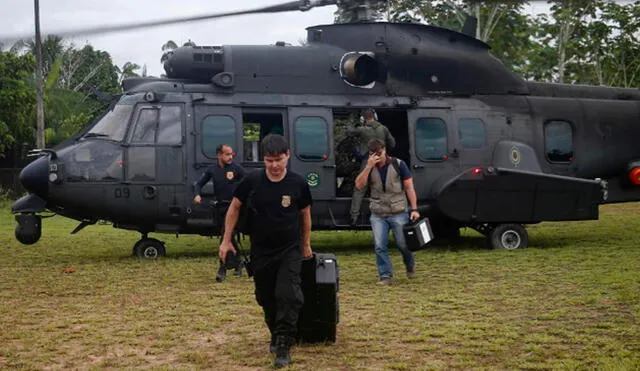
(222, 274)
(384, 281)
(411, 272)
(283, 343)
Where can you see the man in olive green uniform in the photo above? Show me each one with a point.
(371, 129)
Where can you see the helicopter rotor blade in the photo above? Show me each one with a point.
(300, 5)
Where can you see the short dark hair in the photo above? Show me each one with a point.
(220, 147)
(367, 113)
(375, 145)
(274, 145)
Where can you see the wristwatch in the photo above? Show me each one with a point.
(412, 210)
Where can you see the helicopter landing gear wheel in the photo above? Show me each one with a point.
(149, 248)
(508, 237)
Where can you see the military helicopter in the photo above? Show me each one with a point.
(488, 150)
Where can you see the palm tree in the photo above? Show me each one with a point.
(127, 70)
(53, 47)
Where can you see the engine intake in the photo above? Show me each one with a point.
(359, 69)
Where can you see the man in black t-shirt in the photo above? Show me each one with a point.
(225, 175)
(280, 205)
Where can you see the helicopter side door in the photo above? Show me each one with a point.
(433, 140)
(213, 125)
(154, 165)
(311, 149)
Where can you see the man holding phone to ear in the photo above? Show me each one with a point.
(392, 191)
(371, 129)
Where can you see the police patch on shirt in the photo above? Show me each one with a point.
(230, 175)
(286, 201)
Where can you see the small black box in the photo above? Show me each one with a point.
(418, 234)
(320, 312)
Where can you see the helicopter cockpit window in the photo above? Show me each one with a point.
(558, 140)
(145, 129)
(143, 168)
(113, 125)
(93, 161)
(217, 130)
(170, 125)
(160, 126)
(311, 139)
(255, 127)
(471, 133)
(431, 139)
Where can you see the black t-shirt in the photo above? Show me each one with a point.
(224, 178)
(276, 225)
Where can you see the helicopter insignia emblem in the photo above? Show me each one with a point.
(313, 179)
(286, 201)
(515, 155)
(230, 175)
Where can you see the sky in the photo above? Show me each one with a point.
(143, 47)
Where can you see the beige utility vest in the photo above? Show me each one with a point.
(388, 201)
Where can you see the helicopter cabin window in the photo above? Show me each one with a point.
(311, 139)
(255, 127)
(161, 126)
(217, 130)
(431, 139)
(558, 139)
(471, 133)
(113, 125)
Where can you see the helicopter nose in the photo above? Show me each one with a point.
(34, 177)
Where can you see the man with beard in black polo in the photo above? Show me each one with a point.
(225, 175)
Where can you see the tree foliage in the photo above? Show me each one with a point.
(17, 99)
(69, 75)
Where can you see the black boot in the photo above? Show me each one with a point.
(222, 273)
(283, 343)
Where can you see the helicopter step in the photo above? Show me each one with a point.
(498, 195)
(340, 224)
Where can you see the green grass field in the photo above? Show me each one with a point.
(569, 301)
